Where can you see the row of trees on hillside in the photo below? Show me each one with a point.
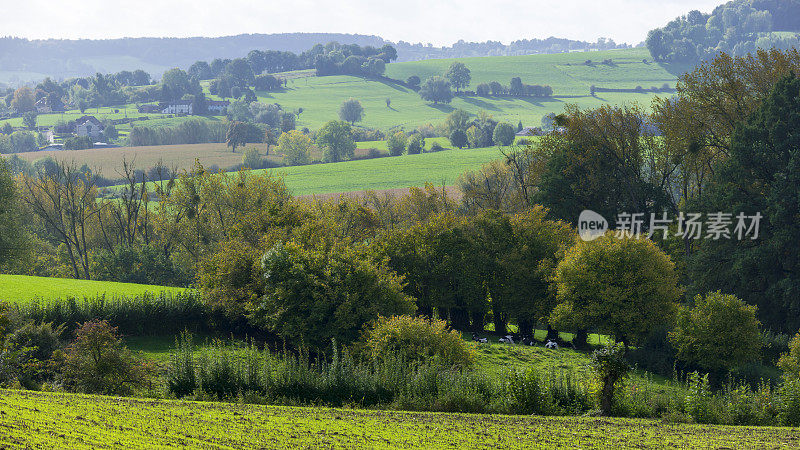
(437, 89)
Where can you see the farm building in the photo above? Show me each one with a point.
(179, 107)
(88, 126)
(529, 131)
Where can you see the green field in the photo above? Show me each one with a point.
(320, 97)
(440, 168)
(53, 420)
(21, 288)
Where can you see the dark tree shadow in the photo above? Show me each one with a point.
(540, 101)
(442, 107)
(480, 103)
(394, 86)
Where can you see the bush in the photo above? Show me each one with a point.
(98, 362)
(721, 332)
(415, 145)
(436, 147)
(458, 138)
(699, 402)
(142, 264)
(525, 394)
(314, 295)
(789, 396)
(78, 143)
(146, 314)
(181, 378)
(31, 348)
(503, 134)
(416, 339)
(40, 340)
(251, 159)
(396, 144)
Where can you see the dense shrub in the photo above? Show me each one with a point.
(181, 377)
(436, 147)
(396, 143)
(78, 143)
(720, 332)
(416, 339)
(314, 295)
(18, 142)
(190, 131)
(98, 362)
(146, 314)
(415, 145)
(503, 134)
(252, 159)
(33, 346)
(143, 264)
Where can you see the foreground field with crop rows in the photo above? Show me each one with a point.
(51, 420)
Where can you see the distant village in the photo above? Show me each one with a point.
(89, 126)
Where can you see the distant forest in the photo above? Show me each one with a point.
(59, 58)
(738, 27)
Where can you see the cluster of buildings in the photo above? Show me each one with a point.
(185, 107)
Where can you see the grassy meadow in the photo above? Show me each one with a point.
(399, 172)
(440, 168)
(56, 420)
(21, 288)
(320, 97)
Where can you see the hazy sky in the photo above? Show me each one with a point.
(437, 22)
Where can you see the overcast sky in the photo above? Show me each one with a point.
(435, 21)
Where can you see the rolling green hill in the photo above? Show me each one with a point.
(320, 97)
(21, 288)
(385, 173)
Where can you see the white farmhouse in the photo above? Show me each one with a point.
(179, 107)
(88, 126)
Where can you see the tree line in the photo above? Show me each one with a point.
(737, 28)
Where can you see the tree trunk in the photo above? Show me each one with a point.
(477, 321)
(499, 323)
(459, 319)
(579, 341)
(607, 396)
(526, 327)
(552, 334)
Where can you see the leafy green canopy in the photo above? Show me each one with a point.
(762, 175)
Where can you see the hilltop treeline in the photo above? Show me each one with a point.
(48, 57)
(63, 58)
(737, 27)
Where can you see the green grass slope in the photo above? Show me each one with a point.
(320, 97)
(565, 72)
(54, 420)
(385, 173)
(21, 288)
